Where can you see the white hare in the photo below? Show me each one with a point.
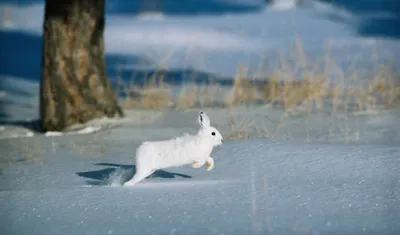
(183, 150)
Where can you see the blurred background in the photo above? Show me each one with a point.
(293, 55)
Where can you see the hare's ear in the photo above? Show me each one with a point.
(204, 121)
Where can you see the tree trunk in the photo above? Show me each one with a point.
(74, 85)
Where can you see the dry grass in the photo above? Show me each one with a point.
(382, 91)
(243, 91)
(252, 126)
(154, 95)
(187, 97)
(299, 89)
(238, 130)
(207, 95)
(290, 94)
(306, 86)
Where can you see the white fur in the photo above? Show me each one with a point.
(182, 150)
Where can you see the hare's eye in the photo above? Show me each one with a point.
(212, 133)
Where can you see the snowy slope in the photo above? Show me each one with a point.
(255, 187)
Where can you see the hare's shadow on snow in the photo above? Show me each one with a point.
(121, 174)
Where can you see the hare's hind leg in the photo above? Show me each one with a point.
(139, 176)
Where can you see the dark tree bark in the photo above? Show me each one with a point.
(74, 85)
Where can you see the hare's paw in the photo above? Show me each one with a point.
(209, 164)
(197, 164)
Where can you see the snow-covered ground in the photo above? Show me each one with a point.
(70, 184)
(256, 187)
(324, 174)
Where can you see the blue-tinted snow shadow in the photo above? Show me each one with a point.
(3, 113)
(387, 27)
(373, 23)
(183, 8)
(172, 76)
(367, 6)
(21, 2)
(170, 7)
(380, 27)
(123, 172)
(32, 125)
(20, 58)
(22, 54)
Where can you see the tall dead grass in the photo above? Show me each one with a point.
(306, 86)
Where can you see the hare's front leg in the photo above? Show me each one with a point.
(209, 163)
